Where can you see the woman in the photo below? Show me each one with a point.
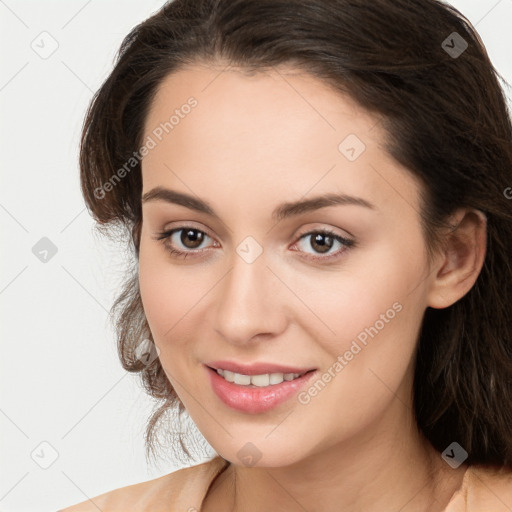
(316, 194)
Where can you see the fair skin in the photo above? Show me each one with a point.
(251, 144)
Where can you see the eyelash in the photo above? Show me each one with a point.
(345, 242)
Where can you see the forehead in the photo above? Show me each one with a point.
(235, 97)
(274, 130)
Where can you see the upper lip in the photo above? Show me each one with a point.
(256, 368)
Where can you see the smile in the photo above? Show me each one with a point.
(255, 394)
(266, 379)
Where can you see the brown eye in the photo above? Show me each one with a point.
(184, 242)
(321, 242)
(191, 238)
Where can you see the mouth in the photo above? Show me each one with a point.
(258, 380)
(257, 393)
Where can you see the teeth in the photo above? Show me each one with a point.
(267, 379)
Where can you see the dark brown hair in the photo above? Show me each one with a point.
(446, 119)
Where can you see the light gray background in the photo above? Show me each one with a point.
(61, 381)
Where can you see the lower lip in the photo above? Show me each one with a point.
(255, 400)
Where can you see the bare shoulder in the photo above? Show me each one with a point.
(170, 492)
(489, 488)
(128, 497)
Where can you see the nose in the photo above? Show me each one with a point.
(251, 303)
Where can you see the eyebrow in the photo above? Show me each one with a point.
(281, 212)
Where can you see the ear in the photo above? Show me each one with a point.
(459, 262)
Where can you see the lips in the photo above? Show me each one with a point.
(257, 368)
(257, 400)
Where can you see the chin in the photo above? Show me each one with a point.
(260, 455)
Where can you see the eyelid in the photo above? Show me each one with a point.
(184, 225)
(325, 229)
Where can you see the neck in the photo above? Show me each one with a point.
(382, 468)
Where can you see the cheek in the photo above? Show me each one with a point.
(167, 291)
(154, 295)
(359, 294)
(375, 311)
(373, 307)
(174, 297)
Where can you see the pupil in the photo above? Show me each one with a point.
(320, 240)
(191, 235)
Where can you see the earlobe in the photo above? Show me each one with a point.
(460, 261)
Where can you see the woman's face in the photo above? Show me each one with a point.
(256, 281)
